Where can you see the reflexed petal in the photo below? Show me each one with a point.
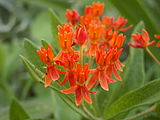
(48, 80)
(116, 74)
(93, 79)
(158, 44)
(71, 78)
(151, 43)
(70, 90)
(78, 96)
(86, 95)
(103, 81)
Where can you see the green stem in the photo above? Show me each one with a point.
(151, 54)
(89, 113)
(151, 109)
(81, 55)
(91, 58)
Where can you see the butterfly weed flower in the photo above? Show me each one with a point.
(107, 21)
(143, 41)
(80, 89)
(96, 39)
(81, 35)
(72, 16)
(47, 57)
(97, 9)
(120, 23)
(69, 63)
(108, 63)
(158, 43)
(95, 33)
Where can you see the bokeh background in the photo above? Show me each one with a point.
(30, 19)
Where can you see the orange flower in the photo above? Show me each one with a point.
(113, 63)
(117, 40)
(107, 21)
(88, 11)
(92, 49)
(46, 55)
(157, 36)
(65, 36)
(141, 40)
(97, 8)
(108, 63)
(52, 73)
(95, 31)
(81, 91)
(120, 24)
(158, 43)
(69, 64)
(86, 20)
(81, 34)
(72, 16)
(107, 36)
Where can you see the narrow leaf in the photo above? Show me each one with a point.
(31, 54)
(54, 22)
(17, 112)
(146, 95)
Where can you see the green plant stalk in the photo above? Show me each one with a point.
(89, 113)
(81, 55)
(135, 117)
(91, 58)
(151, 54)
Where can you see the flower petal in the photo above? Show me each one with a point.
(93, 79)
(70, 90)
(78, 99)
(48, 80)
(86, 95)
(103, 81)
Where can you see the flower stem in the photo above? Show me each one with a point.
(151, 109)
(91, 58)
(151, 54)
(81, 55)
(89, 113)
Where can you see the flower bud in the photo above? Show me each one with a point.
(81, 34)
(72, 16)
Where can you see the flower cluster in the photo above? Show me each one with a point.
(98, 40)
(142, 40)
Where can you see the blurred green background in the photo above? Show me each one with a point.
(30, 19)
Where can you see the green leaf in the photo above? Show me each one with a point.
(17, 112)
(36, 108)
(127, 8)
(36, 74)
(55, 22)
(61, 107)
(41, 29)
(2, 58)
(30, 52)
(50, 3)
(134, 67)
(146, 95)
